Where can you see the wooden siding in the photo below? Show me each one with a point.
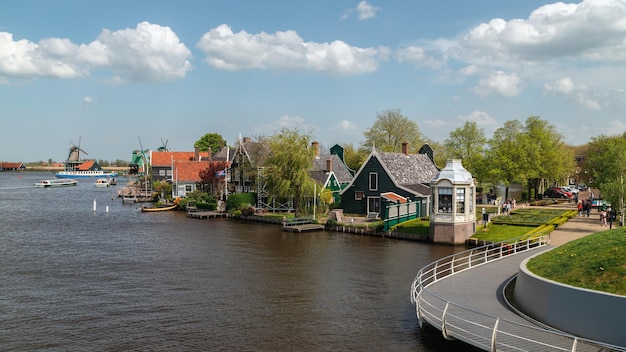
(385, 184)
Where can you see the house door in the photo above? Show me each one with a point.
(373, 204)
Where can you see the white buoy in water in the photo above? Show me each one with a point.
(94, 204)
(106, 209)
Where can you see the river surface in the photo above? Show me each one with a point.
(114, 279)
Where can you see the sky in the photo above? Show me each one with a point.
(114, 76)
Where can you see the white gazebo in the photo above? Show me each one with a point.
(453, 212)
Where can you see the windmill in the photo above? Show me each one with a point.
(75, 150)
(163, 147)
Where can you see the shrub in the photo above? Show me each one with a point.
(206, 206)
(247, 210)
(238, 200)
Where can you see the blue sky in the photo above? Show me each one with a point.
(109, 73)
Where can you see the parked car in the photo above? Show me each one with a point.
(556, 192)
(570, 189)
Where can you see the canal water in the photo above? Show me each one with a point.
(114, 279)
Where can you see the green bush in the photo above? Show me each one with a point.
(206, 206)
(238, 200)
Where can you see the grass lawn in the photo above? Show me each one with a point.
(596, 262)
(498, 233)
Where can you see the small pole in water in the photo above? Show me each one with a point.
(106, 209)
(94, 204)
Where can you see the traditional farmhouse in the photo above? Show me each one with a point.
(12, 166)
(330, 171)
(180, 168)
(390, 176)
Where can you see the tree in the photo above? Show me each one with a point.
(287, 166)
(467, 143)
(504, 159)
(606, 158)
(353, 158)
(212, 178)
(545, 154)
(210, 140)
(390, 130)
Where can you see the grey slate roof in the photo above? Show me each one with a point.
(319, 165)
(413, 171)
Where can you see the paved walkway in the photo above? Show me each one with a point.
(480, 289)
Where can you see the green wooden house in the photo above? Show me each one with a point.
(330, 171)
(403, 174)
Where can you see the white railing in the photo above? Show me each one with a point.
(481, 330)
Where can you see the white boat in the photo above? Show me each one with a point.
(103, 182)
(85, 174)
(57, 182)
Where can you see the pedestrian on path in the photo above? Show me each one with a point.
(603, 218)
(580, 209)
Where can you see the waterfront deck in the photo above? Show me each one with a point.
(301, 225)
(206, 214)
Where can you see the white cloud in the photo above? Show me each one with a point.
(565, 87)
(592, 30)
(149, 53)
(290, 121)
(347, 125)
(87, 101)
(418, 56)
(226, 50)
(366, 11)
(498, 83)
(438, 123)
(481, 118)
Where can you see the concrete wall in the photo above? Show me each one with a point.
(590, 314)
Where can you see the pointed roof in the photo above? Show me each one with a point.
(455, 173)
(189, 171)
(338, 167)
(411, 172)
(165, 158)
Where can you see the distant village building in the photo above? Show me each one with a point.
(12, 166)
(330, 170)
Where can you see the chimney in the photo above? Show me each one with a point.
(329, 165)
(405, 148)
(196, 155)
(316, 148)
(209, 154)
(246, 139)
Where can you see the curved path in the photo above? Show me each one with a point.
(480, 289)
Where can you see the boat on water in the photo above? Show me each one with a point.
(103, 182)
(57, 182)
(158, 208)
(85, 174)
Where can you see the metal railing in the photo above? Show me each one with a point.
(481, 330)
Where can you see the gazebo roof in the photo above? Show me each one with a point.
(454, 172)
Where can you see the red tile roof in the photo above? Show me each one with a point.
(10, 165)
(86, 166)
(165, 158)
(189, 171)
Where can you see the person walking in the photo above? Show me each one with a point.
(603, 218)
(580, 209)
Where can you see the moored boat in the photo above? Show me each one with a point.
(56, 182)
(159, 208)
(103, 182)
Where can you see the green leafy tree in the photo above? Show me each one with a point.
(354, 158)
(504, 158)
(467, 143)
(606, 158)
(287, 166)
(545, 154)
(390, 130)
(210, 140)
